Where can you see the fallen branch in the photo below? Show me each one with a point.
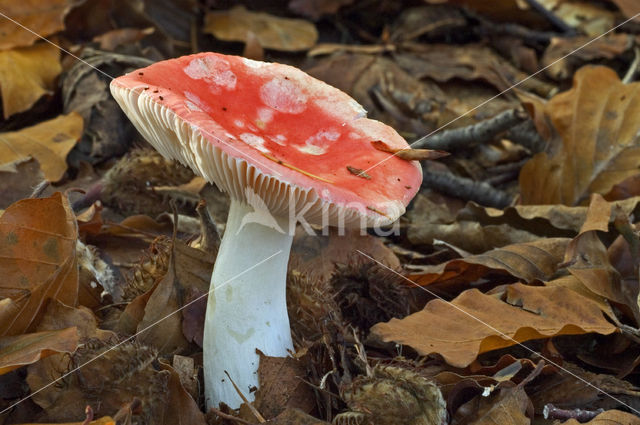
(581, 415)
(526, 135)
(466, 189)
(464, 137)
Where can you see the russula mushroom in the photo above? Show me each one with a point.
(284, 146)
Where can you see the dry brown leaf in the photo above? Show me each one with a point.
(629, 8)
(17, 351)
(37, 260)
(181, 409)
(105, 420)
(587, 17)
(598, 147)
(530, 261)
(542, 220)
(282, 386)
(509, 407)
(610, 417)
(272, 32)
(41, 17)
(48, 142)
(470, 324)
(317, 255)
(189, 268)
(24, 79)
(315, 9)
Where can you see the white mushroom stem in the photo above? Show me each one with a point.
(247, 306)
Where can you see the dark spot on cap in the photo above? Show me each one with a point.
(224, 108)
(155, 91)
(398, 178)
(407, 187)
(161, 98)
(140, 73)
(146, 88)
(286, 78)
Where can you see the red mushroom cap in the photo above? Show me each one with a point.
(271, 127)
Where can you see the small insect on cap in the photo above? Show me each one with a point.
(288, 137)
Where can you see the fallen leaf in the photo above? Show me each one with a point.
(23, 78)
(590, 18)
(272, 32)
(48, 142)
(610, 417)
(189, 268)
(474, 323)
(181, 409)
(42, 18)
(37, 260)
(409, 154)
(629, 8)
(295, 417)
(315, 9)
(19, 183)
(282, 386)
(508, 407)
(529, 262)
(597, 144)
(20, 350)
(564, 55)
(316, 255)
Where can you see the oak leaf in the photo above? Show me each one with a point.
(17, 351)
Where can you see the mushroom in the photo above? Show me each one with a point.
(284, 146)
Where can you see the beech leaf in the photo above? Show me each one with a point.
(471, 324)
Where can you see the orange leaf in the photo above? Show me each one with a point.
(37, 260)
(475, 326)
(597, 145)
(17, 351)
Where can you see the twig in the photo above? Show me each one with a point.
(526, 135)
(551, 17)
(208, 229)
(633, 68)
(40, 187)
(255, 412)
(529, 36)
(581, 415)
(481, 132)
(464, 188)
(228, 417)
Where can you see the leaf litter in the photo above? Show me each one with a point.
(484, 312)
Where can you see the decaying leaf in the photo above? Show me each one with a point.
(475, 323)
(409, 154)
(272, 32)
(597, 144)
(315, 9)
(23, 78)
(17, 351)
(42, 18)
(48, 142)
(530, 261)
(37, 260)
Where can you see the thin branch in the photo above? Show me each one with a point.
(474, 134)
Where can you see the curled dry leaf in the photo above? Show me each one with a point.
(24, 78)
(48, 142)
(42, 18)
(17, 351)
(529, 261)
(409, 154)
(475, 323)
(597, 143)
(37, 260)
(272, 32)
